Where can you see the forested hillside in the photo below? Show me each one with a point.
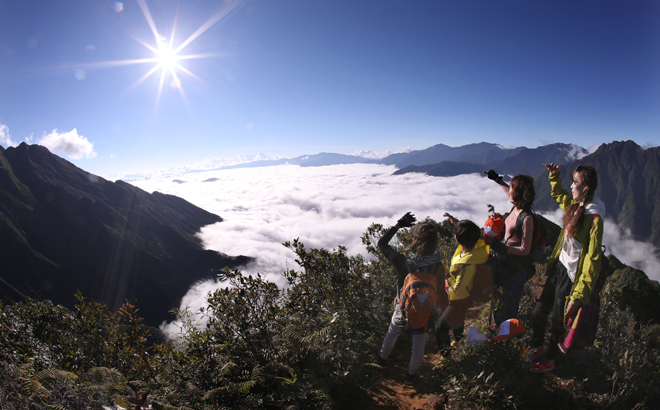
(313, 345)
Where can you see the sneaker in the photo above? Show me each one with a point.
(544, 366)
(534, 353)
(410, 379)
(562, 348)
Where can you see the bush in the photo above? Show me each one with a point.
(303, 347)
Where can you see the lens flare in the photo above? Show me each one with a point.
(167, 57)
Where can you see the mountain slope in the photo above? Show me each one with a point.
(64, 229)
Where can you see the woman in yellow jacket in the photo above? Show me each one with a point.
(575, 264)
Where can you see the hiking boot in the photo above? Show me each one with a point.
(544, 366)
(534, 353)
(410, 379)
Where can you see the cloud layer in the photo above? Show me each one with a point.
(5, 138)
(73, 145)
(333, 205)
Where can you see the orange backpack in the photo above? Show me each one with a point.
(418, 299)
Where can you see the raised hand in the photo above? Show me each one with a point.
(491, 174)
(552, 167)
(451, 218)
(406, 220)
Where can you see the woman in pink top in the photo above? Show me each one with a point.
(511, 254)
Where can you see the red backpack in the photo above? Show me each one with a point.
(493, 228)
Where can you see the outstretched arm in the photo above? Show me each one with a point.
(491, 174)
(559, 194)
(451, 218)
(390, 253)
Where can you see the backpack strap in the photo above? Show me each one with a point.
(413, 267)
(519, 224)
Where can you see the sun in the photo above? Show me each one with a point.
(166, 57)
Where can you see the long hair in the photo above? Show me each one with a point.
(425, 239)
(574, 215)
(522, 191)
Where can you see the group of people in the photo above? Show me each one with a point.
(572, 269)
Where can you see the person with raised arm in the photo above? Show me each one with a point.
(420, 276)
(511, 262)
(575, 264)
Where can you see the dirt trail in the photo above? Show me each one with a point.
(390, 392)
(385, 389)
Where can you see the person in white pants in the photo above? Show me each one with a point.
(421, 253)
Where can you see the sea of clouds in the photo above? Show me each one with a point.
(333, 205)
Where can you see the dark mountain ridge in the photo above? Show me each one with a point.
(521, 161)
(63, 229)
(480, 153)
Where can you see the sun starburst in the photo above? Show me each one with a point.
(166, 58)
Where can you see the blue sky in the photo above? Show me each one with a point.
(293, 77)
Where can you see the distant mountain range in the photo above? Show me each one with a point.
(520, 160)
(443, 160)
(63, 229)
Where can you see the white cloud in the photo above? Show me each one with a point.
(73, 145)
(575, 152)
(379, 155)
(325, 207)
(593, 148)
(510, 146)
(631, 252)
(5, 138)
